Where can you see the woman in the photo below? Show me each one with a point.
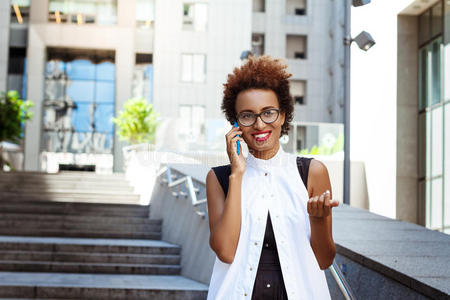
(271, 233)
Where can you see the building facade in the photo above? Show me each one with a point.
(400, 114)
(79, 62)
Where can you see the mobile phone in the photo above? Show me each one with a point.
(238, 142)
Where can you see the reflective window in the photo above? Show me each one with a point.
(193, 67)
(145, 13)
(142, 86)
(79, 101)
(195, 16)
(20, 11)
(79, 12)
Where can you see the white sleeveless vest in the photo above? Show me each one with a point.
(272, 185)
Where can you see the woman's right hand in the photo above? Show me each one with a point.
(237, 161)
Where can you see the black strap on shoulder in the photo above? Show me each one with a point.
(303, 168)
(223, 172)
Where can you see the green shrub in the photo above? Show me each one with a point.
(137, 122)
(13, 114)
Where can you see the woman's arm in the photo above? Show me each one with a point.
(320, 216)
(224, 215)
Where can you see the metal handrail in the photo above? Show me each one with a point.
(341, 281)
(172, 181)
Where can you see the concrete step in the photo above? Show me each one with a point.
(28, 185)
(78, 226)
(99, 268)
(55, 232)
(109, 220)
(76, 197)
(70, 176)
(90, 245)
(66, 208)
(99, 286)
(87, 257)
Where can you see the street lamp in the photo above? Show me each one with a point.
(364, 41)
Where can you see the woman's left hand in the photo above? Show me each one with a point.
(320, 206)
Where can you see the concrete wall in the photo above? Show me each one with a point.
(407, 120)
(324, 52)
(182, 226)
(228, 34)
(4, 45)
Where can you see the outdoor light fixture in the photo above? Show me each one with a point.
(360, 2)
(364, 40)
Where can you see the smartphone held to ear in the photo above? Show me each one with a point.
(238, 142)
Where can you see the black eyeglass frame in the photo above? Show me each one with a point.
(258, 115)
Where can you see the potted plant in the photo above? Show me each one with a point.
(137, 123)
(13, 114)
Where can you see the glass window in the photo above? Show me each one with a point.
(435, 49)
(447, 165)
(296, 7)
(145, 13)
(423, 76)
(257, 44)
(296, 46)
(195, 16)
(436, 141)
(436, 204)
(20, 11)
(259, 5)
(298, 91)
(446, 66)
(193, 67)
(193, 122)
(83, 12)
(428, 145)
(422, 144)
(436, 19)
(142, 86)
(424, 27)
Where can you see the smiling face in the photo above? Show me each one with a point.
(262, 139)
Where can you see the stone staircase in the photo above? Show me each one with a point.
(77, 235)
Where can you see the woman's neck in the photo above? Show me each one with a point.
(266, 154)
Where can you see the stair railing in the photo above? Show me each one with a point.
(172, 181)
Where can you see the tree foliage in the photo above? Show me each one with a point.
(13, 114)
(137, 123)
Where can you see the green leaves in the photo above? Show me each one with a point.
(13, 114)
(325, 150)
(137, 123)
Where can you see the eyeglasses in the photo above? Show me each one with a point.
(267, 116)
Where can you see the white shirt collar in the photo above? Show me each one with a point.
(278, 160)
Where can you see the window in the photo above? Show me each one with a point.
(142, 86)
(296, 7)
(298, 88)
(259, 5)
(193, 122)
(296, 46)
(193, 67)
(257, 44)
(79, 12)
(20, 11)
(195, 16)
(145, 13)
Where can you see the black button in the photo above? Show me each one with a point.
(266, 245)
